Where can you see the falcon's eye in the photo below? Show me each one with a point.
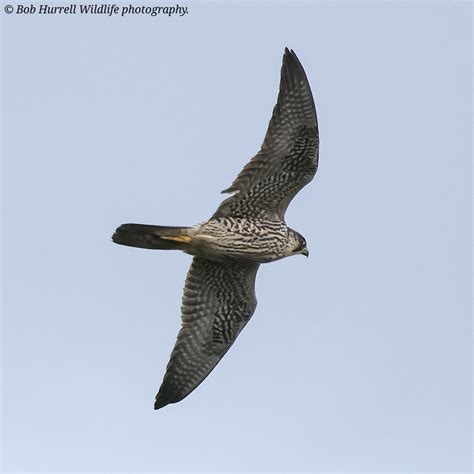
(301, 245)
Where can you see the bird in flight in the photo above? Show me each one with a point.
(247, 229)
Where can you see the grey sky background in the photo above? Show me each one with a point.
(357, 359)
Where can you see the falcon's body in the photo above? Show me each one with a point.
(236, 238)
(247, 229)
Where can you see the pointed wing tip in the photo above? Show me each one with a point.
(161, 401)
(157, 405)
(289, 51)
(290, 57)
(162, 398)
(293, 69)
(167, 395)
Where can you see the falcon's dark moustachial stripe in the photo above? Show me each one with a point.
(247, 229)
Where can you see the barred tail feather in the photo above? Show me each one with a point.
(152, 236)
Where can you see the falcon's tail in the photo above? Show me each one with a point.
(152, 236)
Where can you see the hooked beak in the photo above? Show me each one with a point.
(305, 252)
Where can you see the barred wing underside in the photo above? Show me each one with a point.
(288, 159)
(219, 299)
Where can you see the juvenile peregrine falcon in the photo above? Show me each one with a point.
(247, 229)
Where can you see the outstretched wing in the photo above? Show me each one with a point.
(288, 159)
(218, 300)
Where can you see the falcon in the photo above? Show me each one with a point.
(247, 229)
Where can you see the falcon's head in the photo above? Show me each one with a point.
(298, 244)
